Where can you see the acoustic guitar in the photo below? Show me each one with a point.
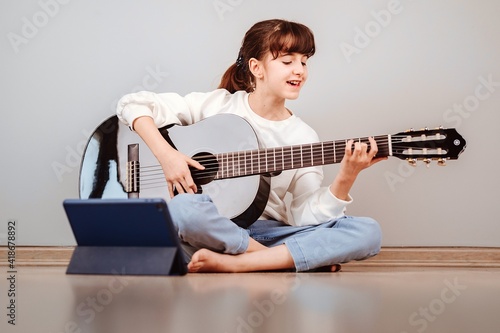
(237, 171)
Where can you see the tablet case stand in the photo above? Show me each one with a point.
(123, 260)
(130, 236)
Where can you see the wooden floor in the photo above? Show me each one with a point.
(357, 299)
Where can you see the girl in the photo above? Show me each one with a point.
(271, 68)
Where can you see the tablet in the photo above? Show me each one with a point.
(124, 236)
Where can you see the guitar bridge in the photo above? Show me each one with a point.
(133, 174)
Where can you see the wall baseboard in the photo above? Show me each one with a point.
(388, 256)
(435, 257)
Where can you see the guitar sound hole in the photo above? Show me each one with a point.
(202, 177)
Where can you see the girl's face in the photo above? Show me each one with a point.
(284, 76)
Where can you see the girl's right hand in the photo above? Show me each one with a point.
(175, 167)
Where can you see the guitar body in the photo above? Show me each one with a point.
(104, 171)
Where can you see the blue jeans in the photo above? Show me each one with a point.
(199, 225)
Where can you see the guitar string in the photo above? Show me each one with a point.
(147, 173)
(341, 146)
(243, 157)
(315, 151)
(160, 181)
(234, 161)
(210, 171)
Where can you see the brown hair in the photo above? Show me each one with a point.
(275, 36)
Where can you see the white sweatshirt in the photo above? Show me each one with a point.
(310, 204)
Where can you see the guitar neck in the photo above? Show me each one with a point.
(273, 160)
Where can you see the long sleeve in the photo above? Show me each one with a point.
(314, 204)
(171, 108)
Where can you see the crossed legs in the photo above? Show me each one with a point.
(222, 246)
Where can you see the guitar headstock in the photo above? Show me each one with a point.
(438, 144)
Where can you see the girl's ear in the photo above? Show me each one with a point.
(255, 67)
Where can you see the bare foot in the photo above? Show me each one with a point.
(274, 258)
(205, 260)
(336, 268)
(325, 269)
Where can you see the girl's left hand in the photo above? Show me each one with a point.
(360, 157)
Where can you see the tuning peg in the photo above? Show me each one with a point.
(441, 162)
(410, 130)
(427, 161)
(412, 161)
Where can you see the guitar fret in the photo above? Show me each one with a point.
(260, 171)
(389, 144)
(312, 155)
(301, 157)
(265, 152)
(243, 166)
(246, 164)
(328, 153)
(222, 165)
(306, 155)
(274, 159)
(297, 157)
(219, 169)
(241, 163)
(334, 153)
(287, 156)
(252, 160)
(282, 158)
(233, 166)
(291, 155)
(238, 164)
(322, 154)
(317, 148)
(226, 162)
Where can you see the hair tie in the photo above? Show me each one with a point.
(239, 61)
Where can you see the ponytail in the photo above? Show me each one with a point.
(237, 77)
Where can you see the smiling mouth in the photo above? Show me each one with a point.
(294, 83)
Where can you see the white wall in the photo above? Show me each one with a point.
(65, 63)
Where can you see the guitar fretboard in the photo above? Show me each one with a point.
(271, 160)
